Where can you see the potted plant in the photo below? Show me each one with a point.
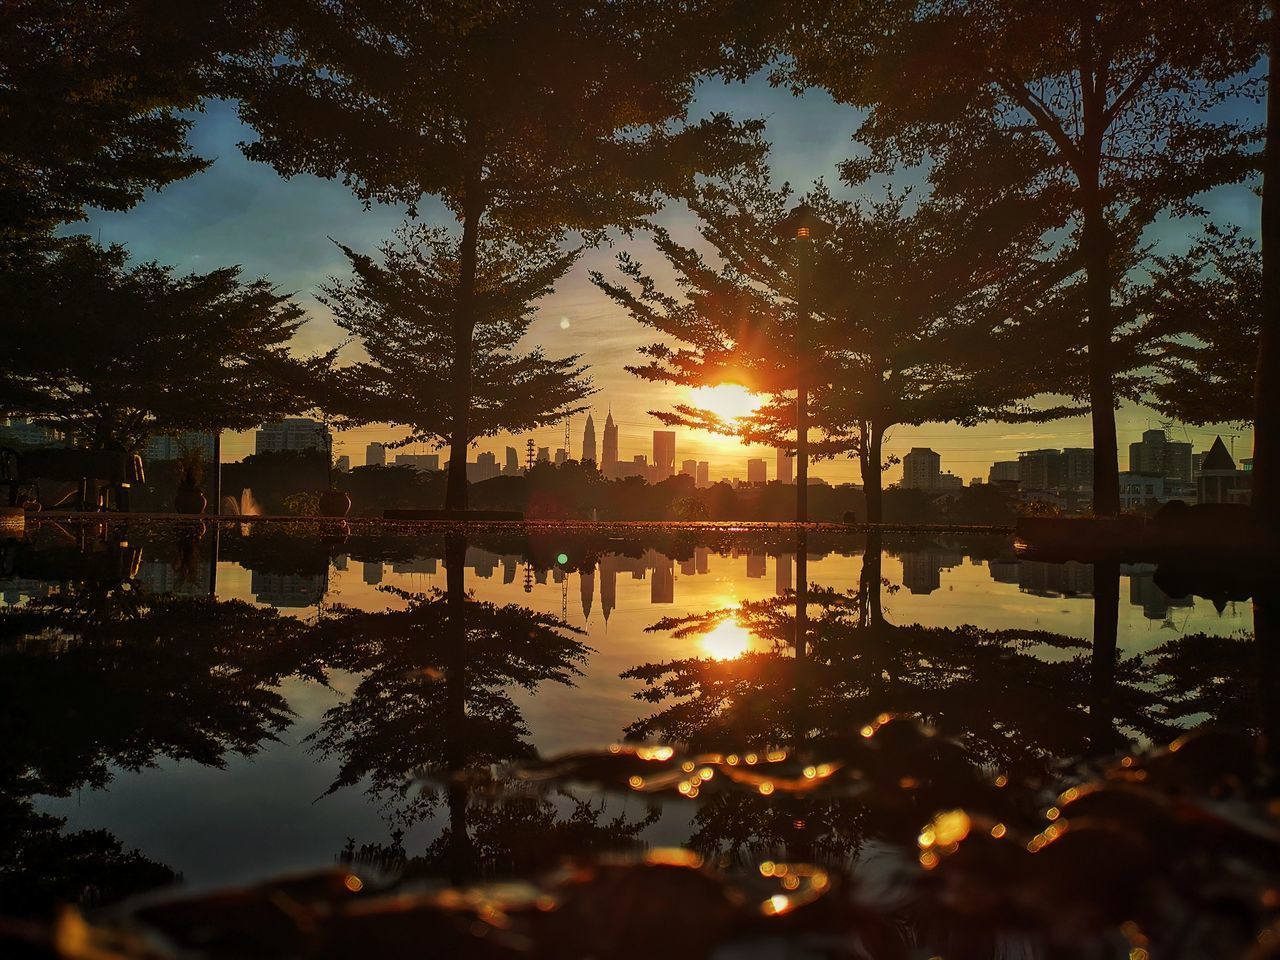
(190, 498)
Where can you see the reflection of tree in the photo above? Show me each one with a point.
(89, 685)
(1018, 702)
(435, 697)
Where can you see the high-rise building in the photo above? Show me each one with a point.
(171, 447)
(544, 454)
(757, 471)
(342, 464)
(291, 433)
(1156, 454)
(30, 434)
(609, 451)
(562, 455)
(512, 465)
(1039, 469)
(1077, 468)
(689, 468)
(704, 474)
(485, 467)
(589, 440)
(664, 454)
(375, 455)
(786, 471)
(1003, 471)
(921, 469)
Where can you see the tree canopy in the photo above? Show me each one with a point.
(113, 353)
(402, 311)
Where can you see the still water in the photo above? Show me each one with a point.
(238, 703)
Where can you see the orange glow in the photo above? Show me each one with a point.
(728, 401)
(728, 640)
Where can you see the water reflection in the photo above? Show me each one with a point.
(360, 658)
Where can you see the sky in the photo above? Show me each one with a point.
(240, 212)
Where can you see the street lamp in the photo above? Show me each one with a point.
(801, 227)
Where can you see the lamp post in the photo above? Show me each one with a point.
(801, 227)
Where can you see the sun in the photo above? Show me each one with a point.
(727, 640)
(728, 401)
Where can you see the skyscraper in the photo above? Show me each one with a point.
(757, 471)
(689, 468)
(375, 455)
(512, 466)
(589, 439)
(786, 467)
(920, 469)
(664, 454)
(704, 474)
(609, 459)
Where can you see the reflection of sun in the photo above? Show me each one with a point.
(729, 401)
(728, 640)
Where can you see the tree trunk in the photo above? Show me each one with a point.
(1266, 385)
(456, 752)
(463, 330)
(1096, 247)
(871, 459)
(1106, 614)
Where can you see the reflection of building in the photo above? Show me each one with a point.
(287, 589)
(375, 455)
(922, 569)
(291, 433)
(587, 587)
(416, 565)
(1070, 579)
(608, 584)
(589, 440)
(1003, 571)
(372, 571)
(756, 565)
(702, 559)
(757, 471)
(662, 589)
(786, 469)
(664, 454)
(1144, 593)
(782, 573)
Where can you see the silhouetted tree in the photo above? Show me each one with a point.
(402, 311)
(537, 118)
(1208, 304)
(114, 353)
(1108, 104)
(1266, 386)
(916, 315)
(92, 100)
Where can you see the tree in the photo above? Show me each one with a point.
(1109, 103)
(1266, 385)
(91, 101)
(403, 311)
(1208, 304)
(114, 353)
(916, 314)
(540, 118)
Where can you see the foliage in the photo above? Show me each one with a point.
(402, 311)
(92, 102)
(1109, 109)
(1208, 303)
(525, 120)
(114, 353)
(915, 313)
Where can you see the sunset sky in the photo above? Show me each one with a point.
(241, 212)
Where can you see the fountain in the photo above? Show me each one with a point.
(246, 506)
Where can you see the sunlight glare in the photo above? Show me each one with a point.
(729, 401)
(728, 640)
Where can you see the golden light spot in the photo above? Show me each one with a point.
(353, 883)
(868, 731)
(655, 753)
(752, 758)
(778, 903)
(999, 830)
(775, 756)
(908, 783)
(728, 401)
(727, 640)
(688, 766)
(684, 787)
(615, 748)
(1002, 781)
(1053, 813)
(636, 782)
(767, 868)
(766, 788)
(810, 772)
(545, 903)
(928, 859)
(731, 759)
(706, 773)
(791, 883)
